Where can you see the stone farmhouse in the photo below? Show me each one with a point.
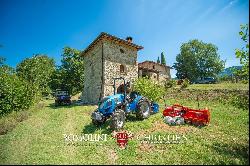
(154, 71)
(108, 57)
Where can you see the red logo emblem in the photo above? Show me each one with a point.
(122, 138)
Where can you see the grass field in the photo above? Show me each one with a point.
(224, 85)
(40, 138)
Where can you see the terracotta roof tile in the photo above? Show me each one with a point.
(154, 63)
(148, 69)
(111, 37)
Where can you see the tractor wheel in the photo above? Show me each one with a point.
(143, 109)
(56, 103)
(98, 123)
(118, 119)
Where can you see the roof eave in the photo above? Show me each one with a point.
(102, 35)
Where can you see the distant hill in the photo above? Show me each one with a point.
(229, 71)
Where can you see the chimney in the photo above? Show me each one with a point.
(129, 39)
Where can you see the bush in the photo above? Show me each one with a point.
(148, 88)
(15, 94)
(244, 81)
(185, 83)
(240, 101)
(170, 84)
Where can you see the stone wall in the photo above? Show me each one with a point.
(164, 71)
(116, 55)
(163, 77)
(92, 75)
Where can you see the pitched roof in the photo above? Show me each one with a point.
(139, 64)
(110, 37)
(148, 69)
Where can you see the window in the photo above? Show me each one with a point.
(122, 69)
(121, 50)
(154, 67)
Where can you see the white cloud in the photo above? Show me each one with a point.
(229, 5)
(206, 13)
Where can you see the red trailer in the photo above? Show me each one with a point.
(196, 117)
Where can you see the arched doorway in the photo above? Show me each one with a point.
(121, 88)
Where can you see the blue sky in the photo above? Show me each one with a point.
(45, 26)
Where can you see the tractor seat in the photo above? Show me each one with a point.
(133, 95)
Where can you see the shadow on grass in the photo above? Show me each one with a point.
(105, 127)
(52, 105)
(74, 103)
(233, 150)
(132, 118)
(91, 128)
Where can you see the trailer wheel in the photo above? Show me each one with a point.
(143, 109)
(118, 119)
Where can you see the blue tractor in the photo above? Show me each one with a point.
(117, 106)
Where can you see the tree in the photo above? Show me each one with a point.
(243, 53)
(57, 79)
(72, 70)
(198, 60)
(2, 60)
(158, 60)
(163, 61)
(37, 71)
(15, 93)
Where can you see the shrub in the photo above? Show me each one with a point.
(179, 82)
(170, 84)
(240, 101)
(149, 89)
(245, 81)
(185, 83)
(15, 94)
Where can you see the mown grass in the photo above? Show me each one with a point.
(9, 121)
(40, 139)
